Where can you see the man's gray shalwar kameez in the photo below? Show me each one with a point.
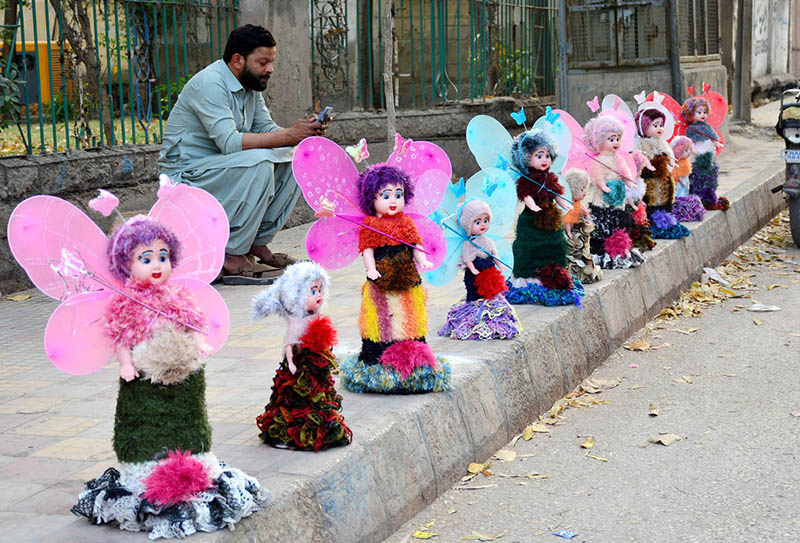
(202, 147)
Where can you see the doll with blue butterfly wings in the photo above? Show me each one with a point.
(533, 159)
(475, 217)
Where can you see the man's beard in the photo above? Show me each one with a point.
(251, 81)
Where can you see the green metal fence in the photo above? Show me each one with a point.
(450, 50)
(104, 72)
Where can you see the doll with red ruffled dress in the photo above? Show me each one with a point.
(143, 296)
(303, 412)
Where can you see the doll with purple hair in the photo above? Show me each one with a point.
(540, 249)
(393, 321)
(611, 243)
(168, 482)
(687, 207)
(703, 180)
(660, 189)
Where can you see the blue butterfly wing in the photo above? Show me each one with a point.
(487, 139)
(498, 189)
(449, 268)
(519, 116)
(562, 134)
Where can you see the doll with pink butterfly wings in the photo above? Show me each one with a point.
(381, 213)
(602, 148)
(655, 125)
(699, 118)
(143, 295)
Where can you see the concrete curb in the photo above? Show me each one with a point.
(368, 490)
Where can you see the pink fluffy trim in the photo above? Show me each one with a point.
(640, 214)
(406, 355)
(176, 479)
(618, 244)
(128, 323)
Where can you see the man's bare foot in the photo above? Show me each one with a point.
(276, 260)
(234, 263)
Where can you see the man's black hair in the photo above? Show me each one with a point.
(246, 39)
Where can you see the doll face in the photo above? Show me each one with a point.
(701, 114)
(655, 129)
(390, 200)
(540, 159)
(314, 298)
(150, 263)
(480, 225)
(611, 143)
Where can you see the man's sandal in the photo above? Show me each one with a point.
(278, 260)
(251, 274)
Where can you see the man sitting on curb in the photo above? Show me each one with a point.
(220, 137)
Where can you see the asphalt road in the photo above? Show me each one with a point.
(725, 381)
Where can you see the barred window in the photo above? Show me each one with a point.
(605, 33)
(698, 21)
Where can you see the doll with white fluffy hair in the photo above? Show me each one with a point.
(304, 409)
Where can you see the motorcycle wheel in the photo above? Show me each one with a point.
(794, 219)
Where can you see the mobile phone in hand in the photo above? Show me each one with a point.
(324, 115)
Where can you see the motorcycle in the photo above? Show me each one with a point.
(788, 127)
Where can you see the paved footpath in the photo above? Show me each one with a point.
(55, 430)
(725, 381)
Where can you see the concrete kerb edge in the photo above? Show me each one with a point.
(485, 410)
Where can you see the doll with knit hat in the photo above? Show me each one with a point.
(610, 176)
(696, 112)
(578, 227)
(484, 313)
(540, 272)
(304, 409)
(687, 207)
(651, 120)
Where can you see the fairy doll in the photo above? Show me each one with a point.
(474, 231)
(168, 481)
(578, 227)
(303, 410)
(687, 207)
(609, 172)
(381, 213)
(701, 122)
(640, 232)
(654, 126)
(540, 246)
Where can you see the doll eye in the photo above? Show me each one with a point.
(385, 195)
(145, 260)
(399, 194)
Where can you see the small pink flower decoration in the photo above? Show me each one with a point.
(105, 203)
(177, 479)
(594, 104)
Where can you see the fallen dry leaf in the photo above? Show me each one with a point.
(688, 332)
(537, 475)
(637, 387)
(539, 428)
(600, 458)
(665, 439)
(653, 410)
(641, 345)
(476, 468)
(527, 433)
(688, 379)
(451, 511)
(595, 386)
(18, 297)
(478, 487)
(475, 536)
(429, 524)
(757, 322)
(763, 308)
(588, 443)
(505, 455)
(419, 534)
(794, 334)
(658, 347)
(776, 285)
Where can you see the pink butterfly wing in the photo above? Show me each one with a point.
(577, 152)
(719, 108)
(333, 242)
(428, 192)
(213, 307)
(432, 240)
(200, 223)
(40, 227)
(74, 340)
(420, 157)
(322, 169)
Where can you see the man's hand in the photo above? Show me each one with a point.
(305, 128)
